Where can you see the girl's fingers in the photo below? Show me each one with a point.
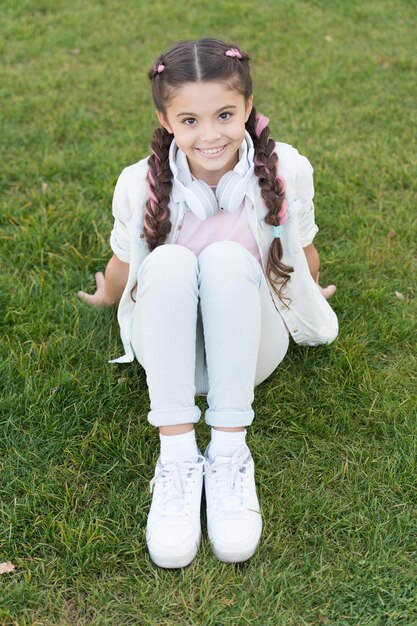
(329, 291)
(100, 280)
(94, 299)
(85, 296)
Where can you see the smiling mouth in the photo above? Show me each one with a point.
(211, 151)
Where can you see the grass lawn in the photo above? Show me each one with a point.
(334, 439)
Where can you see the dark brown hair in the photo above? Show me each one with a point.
(205, 60)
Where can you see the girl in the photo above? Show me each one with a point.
(213, 269)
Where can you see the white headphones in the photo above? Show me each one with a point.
(198, 195)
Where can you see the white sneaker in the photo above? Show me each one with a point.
(173, 531)
(234, 522)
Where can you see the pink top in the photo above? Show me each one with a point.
(197, 234)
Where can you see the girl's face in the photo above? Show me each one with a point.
(208, 123)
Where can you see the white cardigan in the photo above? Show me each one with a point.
(307, 314)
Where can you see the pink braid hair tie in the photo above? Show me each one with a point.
(261, 123)
(234, 52)
(158, 69)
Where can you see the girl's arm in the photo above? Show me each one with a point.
(110, 285)
(313, 261)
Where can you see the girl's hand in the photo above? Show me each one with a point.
(110, 285)
(328, 291)
(98, 298)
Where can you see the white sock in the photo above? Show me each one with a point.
(175, 448)
(225, 443)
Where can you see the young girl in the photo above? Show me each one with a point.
(214, 268)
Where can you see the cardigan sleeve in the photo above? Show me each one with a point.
(119, 237)
(305, 193)
(129, 200)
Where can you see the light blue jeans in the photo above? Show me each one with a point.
(205, 325)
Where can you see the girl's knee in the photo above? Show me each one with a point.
(222, 249)
(169, 260)
(172, 251)
(224, 258)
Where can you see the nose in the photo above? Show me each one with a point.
(210, 132)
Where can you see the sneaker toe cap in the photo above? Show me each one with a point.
(236, 532)
(173, 547)
(170, 536)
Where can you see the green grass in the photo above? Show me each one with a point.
(334, 438)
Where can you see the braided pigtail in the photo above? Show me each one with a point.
(272, 191)
(157, 223)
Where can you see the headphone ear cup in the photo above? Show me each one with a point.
(201, 200)
(230, 192)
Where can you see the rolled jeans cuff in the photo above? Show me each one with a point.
(229, 419)
(171, 417)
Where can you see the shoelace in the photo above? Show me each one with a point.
(226, 474)
(172, 477)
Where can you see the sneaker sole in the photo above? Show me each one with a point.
(233, 558)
